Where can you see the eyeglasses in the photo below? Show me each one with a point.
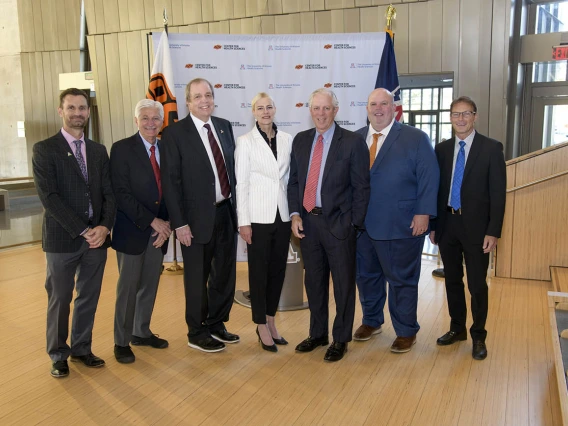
(464, 114)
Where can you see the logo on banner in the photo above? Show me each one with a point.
(345, 122)
(229, 47)
(229, 86)
(283, 47)
(340, 85)
(242, 67)
(249, 67)
(217, 47)
(376, 65)
(201, 66)
(312, 67)
(270, 47)
(271, 86)
(358, 104)
(246, 105)
(300, 105)
(328, 46)
(340, 46)
(189, 65)
(238, 124)
(287, 123)
(283, 85)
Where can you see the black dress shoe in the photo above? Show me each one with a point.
(479, 351)
(311, 343)
(59, 369)
(269, 348)
(281, 341)
(335, 352)
(89, 360)
(225, 337)
(124, 354)
(451, 337)
(154, 341)
(206, 344)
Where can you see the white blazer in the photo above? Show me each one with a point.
(261, 180)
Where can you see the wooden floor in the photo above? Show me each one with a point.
(244, 385)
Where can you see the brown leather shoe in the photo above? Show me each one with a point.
(403, 344)
(365, 332)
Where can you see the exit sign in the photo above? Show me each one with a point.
(560, 52)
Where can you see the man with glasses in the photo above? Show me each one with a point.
(471, 206)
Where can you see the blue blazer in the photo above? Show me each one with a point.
(404, 182)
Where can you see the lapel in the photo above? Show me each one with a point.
(224, 144)
(472, 156)
(68, 155)
(448, 159)
(264, 148)
(139, 150)
(91, 160)
(387, 144)
(333, 150)
(193, 139)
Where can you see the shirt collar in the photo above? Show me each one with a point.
(199, 123)
(147, 144)
(70, 138)
(468, 141)
(328, 134)
(384, 132)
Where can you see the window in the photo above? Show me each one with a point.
(544, 72)
(428, 108)
(552, 17)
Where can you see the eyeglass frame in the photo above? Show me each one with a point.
(464, 114)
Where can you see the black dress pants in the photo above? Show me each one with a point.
(454, 246)
(267, 257)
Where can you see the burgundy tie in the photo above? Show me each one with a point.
(156, 169)
(313, 176)
(219, 162)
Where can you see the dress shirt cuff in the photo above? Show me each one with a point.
(294, 214)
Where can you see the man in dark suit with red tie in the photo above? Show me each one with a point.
(198, 180)
(328, 192)
(72, 178)
(141, 231)
(471, 207)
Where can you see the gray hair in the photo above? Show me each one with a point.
(148, 103)
(324, 91)
(197, 81)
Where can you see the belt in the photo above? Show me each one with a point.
(222, 203)
(454, 211)
(317, 211)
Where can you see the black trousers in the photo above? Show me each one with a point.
(207, 305)
(267, 256)
(323, 253)
(454, 246)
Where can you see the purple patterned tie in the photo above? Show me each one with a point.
(83, 167)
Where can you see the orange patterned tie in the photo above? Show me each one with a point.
(373, 149)
(313, 176)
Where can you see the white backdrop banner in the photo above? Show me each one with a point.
(287, 67)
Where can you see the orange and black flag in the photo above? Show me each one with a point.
(161, 83)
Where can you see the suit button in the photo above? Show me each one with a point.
(214, 204)
(157, 202)
(86, 213)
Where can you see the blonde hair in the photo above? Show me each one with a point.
(259, 96)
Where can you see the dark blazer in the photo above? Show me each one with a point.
(404, 182)
(483, 188)
(188, 180)
(137, 196)
(65, 194)
(345, 181)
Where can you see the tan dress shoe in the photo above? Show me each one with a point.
(365, 332)
(403, 344)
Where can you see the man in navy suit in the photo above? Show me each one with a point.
(328, 192)
(141, 230)
(404, 185)
(471, 207)
(198, 180)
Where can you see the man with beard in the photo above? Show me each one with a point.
(72, 179)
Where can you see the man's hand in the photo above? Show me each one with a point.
(246, 233)
(96, 236)
(160, 240)
(297, 226)
(184, 235)
(489, 243)
(419, 224)
(432, 237)
(162, 228)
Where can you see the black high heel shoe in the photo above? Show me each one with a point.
(281, 341)
(269, 348)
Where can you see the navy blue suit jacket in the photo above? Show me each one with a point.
(345, 181)
(137, 196)
(404, 182)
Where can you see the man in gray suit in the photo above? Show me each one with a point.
(141, 230)
(72, 179)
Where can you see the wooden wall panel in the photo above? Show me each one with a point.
(401, 37)
(222, 10)
(136, 15)
(38, 25)
(98, 62)
(100, 16)
(49, 85)
(239, 8)
(287, 24)
(293, 6)
(274, 7)
(361, 3)
(48, 25)
(425, 37)
(221, 27)
(250, 26)
(114, 86)
(91, 17)
(308, 22)
(450, 37)
(267, 25)
(505, 244)
(256, 7)
(339, 4)
(73, 23)
(176, 14)
(25, 24)
(317, 5)
(192, 12)
(111, 14)
(351, 21)
(207, 13)
(369, 18)
(323, 22)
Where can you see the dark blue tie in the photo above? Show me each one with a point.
(455, 199)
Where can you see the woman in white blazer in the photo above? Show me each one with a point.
(262, 166)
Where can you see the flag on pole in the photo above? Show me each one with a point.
(387, 77)
(162, 82)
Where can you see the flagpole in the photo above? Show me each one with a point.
(390, 14)
(175, 268)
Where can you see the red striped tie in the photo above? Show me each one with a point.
(219, 162)
(313, 176)
(156, 169)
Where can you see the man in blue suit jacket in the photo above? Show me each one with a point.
(404, 187)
